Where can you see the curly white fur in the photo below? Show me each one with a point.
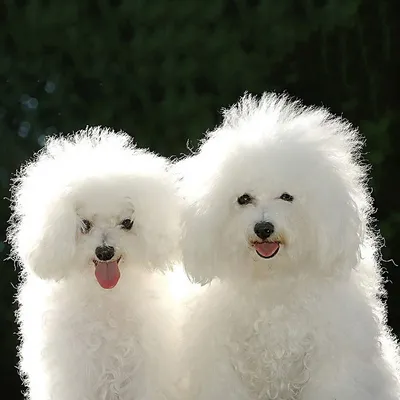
(309, 322)
(80, 341)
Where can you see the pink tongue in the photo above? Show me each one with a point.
(107, 274)
(266, 249)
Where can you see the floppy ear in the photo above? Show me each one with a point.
(198, 245)
(166, 253)
(46, 241)
(341, 239)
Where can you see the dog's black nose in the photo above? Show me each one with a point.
(264, 229)
(105, 253)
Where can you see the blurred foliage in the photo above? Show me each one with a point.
(162, 70)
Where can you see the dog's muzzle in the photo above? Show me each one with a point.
(264, 245)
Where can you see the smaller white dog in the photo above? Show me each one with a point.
(277, 218)
(94, 217)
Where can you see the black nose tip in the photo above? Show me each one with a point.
(264, 229)
(104, 253)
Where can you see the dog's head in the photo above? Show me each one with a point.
(94, 201)
(277, 189)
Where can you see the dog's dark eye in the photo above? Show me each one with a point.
(86, 226)
(286, 197)
(245, 199)
(127, 224)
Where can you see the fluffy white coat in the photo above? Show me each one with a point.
(307, 323)
(78, 340)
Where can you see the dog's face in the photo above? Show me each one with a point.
(106, 232)
(265, 232)
(279, 209)
(126, 223)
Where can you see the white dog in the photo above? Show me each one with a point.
(94, 217)
(278, 217)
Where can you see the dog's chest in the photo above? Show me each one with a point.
(271, 356)
(99, 346)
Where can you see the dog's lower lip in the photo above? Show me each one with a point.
(272, 255)
(254, 244)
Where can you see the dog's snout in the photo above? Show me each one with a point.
(105, 253)
(264, 229)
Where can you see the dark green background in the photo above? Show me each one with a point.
(161, 70)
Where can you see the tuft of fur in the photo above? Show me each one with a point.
(309, 322)
(78, 340)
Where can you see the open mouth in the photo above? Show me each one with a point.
(267, 249)
(107, 273)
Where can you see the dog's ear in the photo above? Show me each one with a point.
(45, 239)
(342, 234)
(199, 245)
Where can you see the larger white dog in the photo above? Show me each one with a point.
(278, 220)
(93, 218)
